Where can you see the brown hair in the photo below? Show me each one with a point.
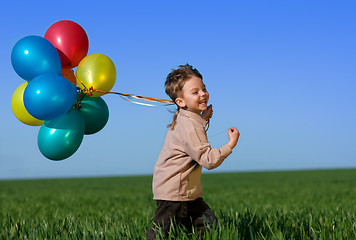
(175, 82)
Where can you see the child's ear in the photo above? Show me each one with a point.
(180, 102)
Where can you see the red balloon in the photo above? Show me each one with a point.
(70, 40)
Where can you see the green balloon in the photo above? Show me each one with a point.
(95, 113)
(60, 138)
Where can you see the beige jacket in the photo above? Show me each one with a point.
(185, 151)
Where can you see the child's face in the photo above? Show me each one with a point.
(194, 96)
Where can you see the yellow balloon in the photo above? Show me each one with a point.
(19, 109)
(96, 71)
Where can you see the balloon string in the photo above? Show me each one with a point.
(89, 92)
(216, 134)
(150, 99)
(144, 104)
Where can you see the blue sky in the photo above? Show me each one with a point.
(282, 72)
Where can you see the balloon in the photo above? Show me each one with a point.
(19, 109)
(33, 55)
(61, 137)
(68, 74)
(49, 96)
(70, 40)
(98, 71)
(95, 113)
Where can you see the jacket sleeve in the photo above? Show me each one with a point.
(198, 147)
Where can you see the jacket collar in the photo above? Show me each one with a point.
(193, 116)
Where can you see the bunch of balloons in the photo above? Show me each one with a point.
(50, 97)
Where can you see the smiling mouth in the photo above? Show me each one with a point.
(202, 102)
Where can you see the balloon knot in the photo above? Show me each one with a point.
(89, 91)
(77, 105)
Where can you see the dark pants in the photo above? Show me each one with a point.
(191, 214)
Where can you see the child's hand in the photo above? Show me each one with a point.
(208, 113)
(234, 135)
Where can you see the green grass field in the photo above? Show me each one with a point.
(266, 205)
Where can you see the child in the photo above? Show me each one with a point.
(176, 179)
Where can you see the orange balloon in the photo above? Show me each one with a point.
(69, 74)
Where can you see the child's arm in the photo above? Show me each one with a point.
(201, 151)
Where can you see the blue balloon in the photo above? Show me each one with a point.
(60, 138)
(34, 55)
(49, 96)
